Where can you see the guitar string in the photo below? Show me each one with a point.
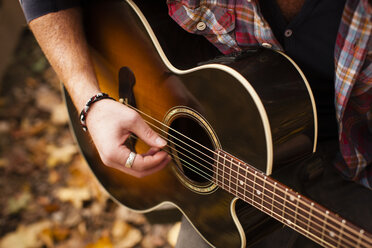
(272, 212)
(319, 211)
(283, 191)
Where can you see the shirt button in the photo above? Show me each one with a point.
(267, 45)
(288, 33)
(201, 26)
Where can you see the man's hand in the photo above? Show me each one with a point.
(110, 123)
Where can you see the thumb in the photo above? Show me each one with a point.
(149, 136)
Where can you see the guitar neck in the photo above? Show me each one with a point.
(285, 205)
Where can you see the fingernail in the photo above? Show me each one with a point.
(159, 141)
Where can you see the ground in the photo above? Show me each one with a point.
(48, 196)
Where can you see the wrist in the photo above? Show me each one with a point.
(84, 112)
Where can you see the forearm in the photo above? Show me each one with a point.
(61, 37)
(110, 123)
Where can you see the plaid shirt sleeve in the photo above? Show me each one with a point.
(233, 25)
(353, 89)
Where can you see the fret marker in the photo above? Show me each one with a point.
(327, 212)
(332, 234)
(361, 231)
(292, 198)
(258, 192)
(241, 182)
(312, 204)
(343, 221)
(289, 222)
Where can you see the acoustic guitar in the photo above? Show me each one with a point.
(230, 123)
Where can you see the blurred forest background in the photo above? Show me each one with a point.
(48, 196)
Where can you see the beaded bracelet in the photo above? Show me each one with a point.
(84, 112)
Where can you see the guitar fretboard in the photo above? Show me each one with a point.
(285, 205)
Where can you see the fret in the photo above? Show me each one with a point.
(284, 210)
(309, 220)
(257, 191)
(234, 177)
(324, 239)
(341, 233)
(332, 229)
(279, 202)
(316, 221)
(229, 164)
(289, 208)
(219, 171)
(247, 188)
(349, 236)
(360, 237)
(226, 171)
(263, 192)
(273, 199)
(260, 189)
(241, 182)
(303, 214)
(268, 196)
(297, 200)
(250, 184)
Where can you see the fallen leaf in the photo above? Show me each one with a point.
(4, 162)
(124, 214)
(4, 126)
(103, 242)
(47, 237)
(125, 235)
(59, 114)
(173, 234)
(72, 242)
(19, 202)
(58, 155)
(60, 233)
(31, 82)
(25, 236)
(73, 218)
(53, 177)
(74, 195)
(47, 99)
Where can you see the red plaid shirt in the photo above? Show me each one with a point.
(233, 25)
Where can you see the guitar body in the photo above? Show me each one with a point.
(256, 107)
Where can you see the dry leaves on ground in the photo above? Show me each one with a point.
(49, 197)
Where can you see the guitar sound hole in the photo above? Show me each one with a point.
(192, 150)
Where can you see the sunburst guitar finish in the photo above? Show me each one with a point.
(229, 123)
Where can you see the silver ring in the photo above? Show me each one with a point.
(130, 160)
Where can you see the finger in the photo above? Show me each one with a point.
(152, 170)
(149, 136)
(151, 151)
(144, 162)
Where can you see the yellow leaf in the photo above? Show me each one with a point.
(25, 236)
(103, 242)
(74, 195)
(19, 202)
(125, 235)
(173, 234)
(59, 155)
